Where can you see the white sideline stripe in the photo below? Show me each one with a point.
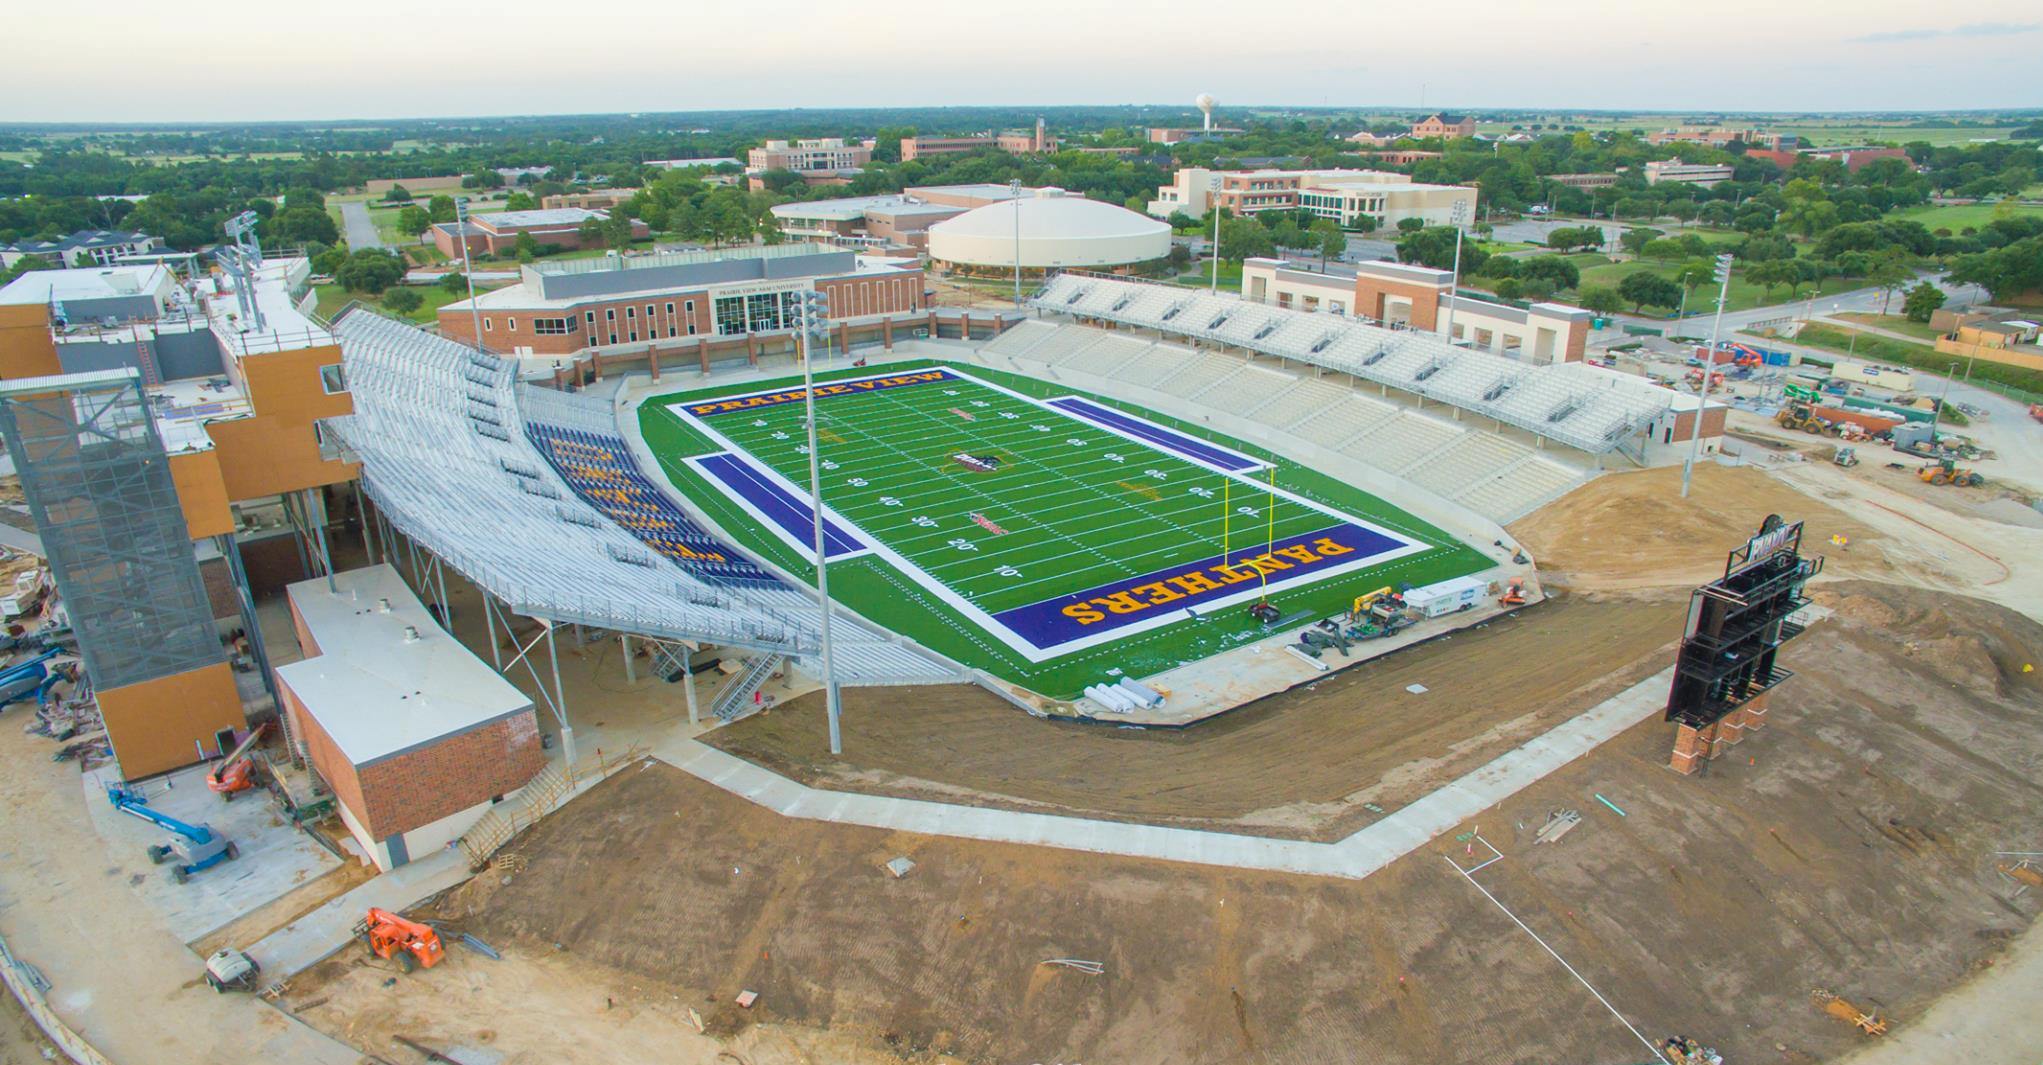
(1366, 851)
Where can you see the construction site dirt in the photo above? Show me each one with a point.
(1317, 762)
(1846, 847)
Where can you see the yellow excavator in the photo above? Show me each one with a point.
(1361, 610)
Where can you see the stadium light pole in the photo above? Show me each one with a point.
(1460, 218)
(1014, 194)
(468, 269)
(1214, 206)
(815, 317)
(1695, 435)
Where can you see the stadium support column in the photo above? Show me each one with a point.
(567, 731)
(815, 322)
(688, 685)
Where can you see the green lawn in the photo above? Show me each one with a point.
(1743, 294)
(1893, 323)
(1959, 218)
(1070, 522)
(1230, 276)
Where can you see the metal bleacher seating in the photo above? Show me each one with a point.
(533, 496)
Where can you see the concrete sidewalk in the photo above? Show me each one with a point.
(1355, 857)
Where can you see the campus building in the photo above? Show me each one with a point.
(1408, 296)
(816, 154)
(498, 233)
(1674, 170)
(1177, 134)
(1717, 137)
(1583, 181)
(587, 199)
(416, 736)
(207, 401)
(1444, 126)
(676, 300)
(899, 220)
(87, 247)
(1342, 195)
(1049, 230)
(1018, 142)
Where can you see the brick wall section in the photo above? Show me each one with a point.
(1370, 293)
(320, 750)
(450, 775)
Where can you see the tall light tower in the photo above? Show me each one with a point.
(1723, 274)
(1460, 219)
(1014, 193)
(815, 307)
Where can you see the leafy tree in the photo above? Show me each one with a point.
(1888, 274)
(483, 179)
(1509, 288)
(1602, 299)
(1644, 287)
(1180, 221)
(328, 261)
(1553, 269)
(397, 194)
(1434, 247)
(1410, 225)
(24, 265)
(369, 270)
(440, 208)
(403, 300)
(304, 197)
(1326, 233)
(1244, 238)
(526, 247)
(2006, 271)
(454, 281)
(413, 220)
(590, 231)
(1922, 301)
(1636, 238)
(300, 225)
(1772, 273)
(617, 231)
(520, 201)
(1716, 213)
(1568, 238)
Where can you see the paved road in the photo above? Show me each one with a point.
(1534, 231)
(1857, 300)
(359, 230)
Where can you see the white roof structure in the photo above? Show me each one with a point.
(1056, 230)
(87, 282)
(387, 678)
(555, 216)
(1582, 406)
(440, 431)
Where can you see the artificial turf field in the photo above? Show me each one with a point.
(1047, 545)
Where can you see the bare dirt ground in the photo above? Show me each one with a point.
(1299, 764)
(1847, 847)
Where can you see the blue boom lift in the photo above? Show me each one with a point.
(195, 847)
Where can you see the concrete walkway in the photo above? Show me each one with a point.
(1355, 857)
(358, 227)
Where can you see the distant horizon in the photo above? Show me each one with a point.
(371, 121)
(248, 62)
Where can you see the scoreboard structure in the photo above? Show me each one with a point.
(1728, 665)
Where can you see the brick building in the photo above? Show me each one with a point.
(1405, 295)
(1342, 195)
(415, 736)
(669, 299)
(587, 199)
(1445, 126)
(497, 234)
(1018, 142)
(820, 153)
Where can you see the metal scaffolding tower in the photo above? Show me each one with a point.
(99, 487)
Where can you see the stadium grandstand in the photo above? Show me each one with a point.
(1492, 474)
(1584, 407)
(531, 495)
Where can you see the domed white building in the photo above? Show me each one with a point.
(1057, 230)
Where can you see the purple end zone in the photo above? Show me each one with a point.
(780, 506)
(1184, 446)
(1053, 622)
(711, 408)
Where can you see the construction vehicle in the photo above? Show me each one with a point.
(2036, 411)
(414, 945)
(1947, 471)
(1364, 602)
(33, 677)
(230, 969)
(1827, 421)
(1846, 457)
(1514, 593)
(1837, 1006)
(196, 847)
(1264, 612)
(236, 772)
(1684, 1051)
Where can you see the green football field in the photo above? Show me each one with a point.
(1043, 536)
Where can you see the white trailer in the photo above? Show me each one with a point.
(1446, 597)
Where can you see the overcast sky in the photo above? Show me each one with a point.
(263, 59)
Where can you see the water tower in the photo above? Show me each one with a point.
(1205, 104)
